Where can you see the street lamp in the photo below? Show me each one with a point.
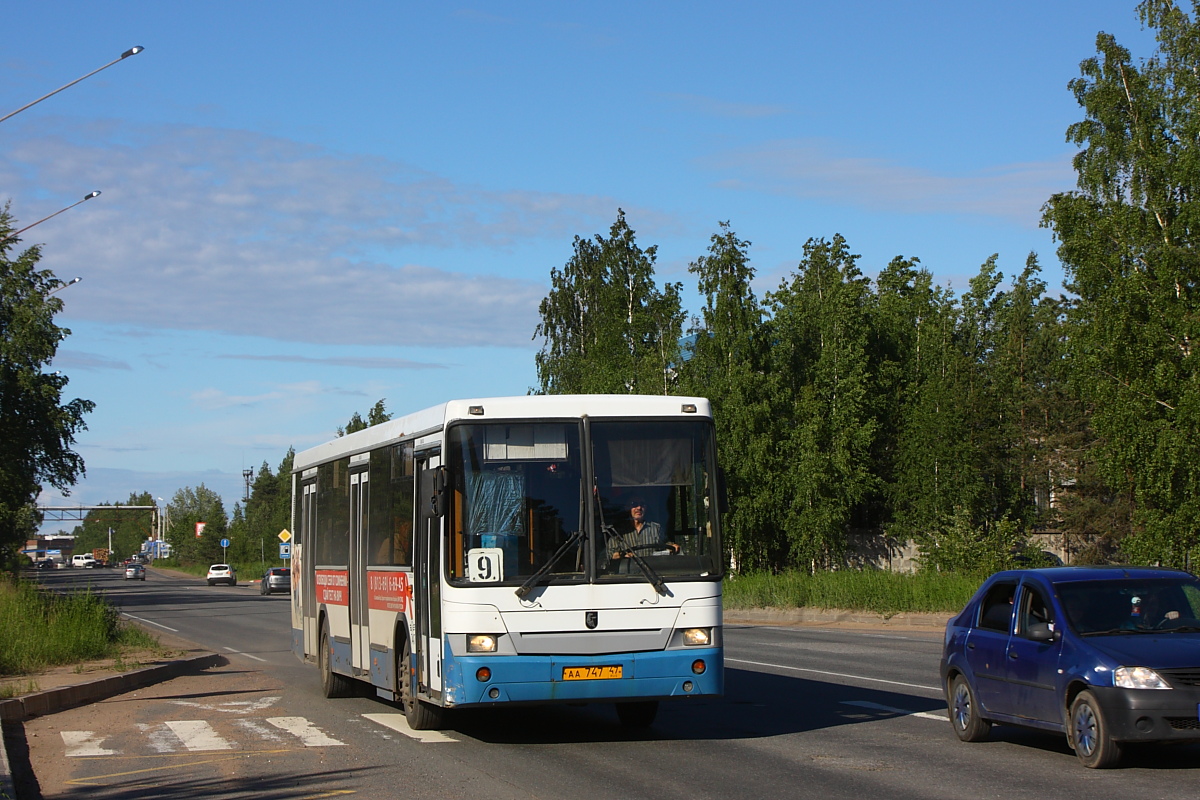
(71, 282)
(15, 234)
(133, 51)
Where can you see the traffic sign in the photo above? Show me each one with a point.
(285, 536)
(224, 543)
(285, 551)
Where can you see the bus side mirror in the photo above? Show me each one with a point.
(440, 484)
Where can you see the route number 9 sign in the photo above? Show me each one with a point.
(485, 565)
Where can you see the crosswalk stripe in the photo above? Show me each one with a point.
(305, 731)
(85, 743)
(891, 710)
(197, 735)
(399, 723)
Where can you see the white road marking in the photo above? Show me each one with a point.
(399, 723)
(233, 706)
(247, 655)
(197, 735)
(901, 711)
(161, 739)
(85, 743)
(834, 674)
(152, 622)
(305, 731)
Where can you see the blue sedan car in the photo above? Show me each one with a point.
(1106, 655)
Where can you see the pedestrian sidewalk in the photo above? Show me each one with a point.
(64, 688)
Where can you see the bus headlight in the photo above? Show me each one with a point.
(697, 637)
(481, 643)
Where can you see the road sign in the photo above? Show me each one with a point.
(285, 536)
(285, 551)
(224, 543)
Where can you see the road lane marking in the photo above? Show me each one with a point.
(305, 731)
(834, 674)
(399, 723)
(197, 735)
(233, 706)
(247, 655)
(901, 711)
(85, 743)
(152, 622)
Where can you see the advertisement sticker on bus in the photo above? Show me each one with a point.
(388, 591)
(332, 587)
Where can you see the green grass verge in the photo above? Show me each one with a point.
(42, 629)
(886, 593)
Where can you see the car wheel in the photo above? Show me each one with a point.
(1089, 734)
(421, 716)
(210, 583)
(964, 712)
(332, 684)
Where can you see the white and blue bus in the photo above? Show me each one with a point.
(537, 549)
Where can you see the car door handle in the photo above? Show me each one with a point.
(1012, 654)
(970, 645)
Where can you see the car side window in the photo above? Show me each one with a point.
(1034, 610)
(996, 610)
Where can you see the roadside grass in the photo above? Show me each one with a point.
(43, 629)
(886, 593)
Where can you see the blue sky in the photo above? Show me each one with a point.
(307, 207)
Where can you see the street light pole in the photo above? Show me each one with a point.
(133, 51)
(15, 234)
(59, 288)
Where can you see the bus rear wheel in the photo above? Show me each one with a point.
(640, 714)
(421, 716)
(332, 684)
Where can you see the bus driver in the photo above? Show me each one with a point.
(642, 534)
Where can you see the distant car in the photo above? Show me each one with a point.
(1105, 655)
(276, 579)
(222, 573)
(135, 572)
(45, 563)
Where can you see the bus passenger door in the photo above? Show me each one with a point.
(360, 636)
(306, 598)
(427, 574)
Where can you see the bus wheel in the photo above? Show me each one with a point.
(637, 715)
(332, 684)
(421, 716)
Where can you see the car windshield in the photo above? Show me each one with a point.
(1128, 606)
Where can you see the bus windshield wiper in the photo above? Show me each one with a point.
(574, 539)
(655, 579)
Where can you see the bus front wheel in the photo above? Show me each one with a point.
(332, 684)
(421, 716)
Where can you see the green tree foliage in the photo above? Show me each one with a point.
(188, 507)
(1128, 239)
(727, 364)
(129, 527)
(376, 415)
(606, 326)
(820, 471)
(37, 429)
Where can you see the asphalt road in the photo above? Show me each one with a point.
(808, 712)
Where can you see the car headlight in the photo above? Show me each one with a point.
(697, 637)
(1138, 678)
(481, 643)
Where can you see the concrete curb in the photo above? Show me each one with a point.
(830, 617)
(39, 704)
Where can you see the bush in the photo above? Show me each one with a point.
(877, 591)
(43, 629)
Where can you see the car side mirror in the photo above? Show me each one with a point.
(1042, 632)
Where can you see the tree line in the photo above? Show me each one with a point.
(893, 408)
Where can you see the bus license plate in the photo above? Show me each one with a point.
(591, 673)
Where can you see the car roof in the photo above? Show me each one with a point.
(1092, 573)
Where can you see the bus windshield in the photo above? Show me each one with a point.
(521, 493)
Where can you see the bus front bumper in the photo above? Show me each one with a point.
(492, 680)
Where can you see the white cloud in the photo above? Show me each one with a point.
(240, 233)
(814, 169)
